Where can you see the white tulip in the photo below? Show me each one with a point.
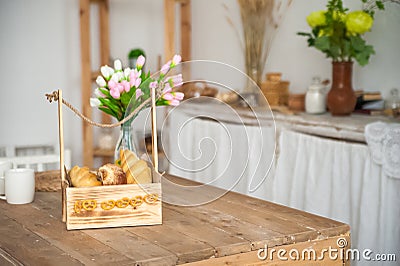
(106, 71)
(120, 75)
(117, 65)
(98, 93)
(101, 82)
(117, 76)
(94, 102)
(127, 72)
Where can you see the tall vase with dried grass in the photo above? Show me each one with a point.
(260, 21)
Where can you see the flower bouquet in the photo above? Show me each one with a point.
(122, 91)
(338, 33)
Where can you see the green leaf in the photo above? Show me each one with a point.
(304, 34)
(134, 53)
(161, 102)
(363, 57)
(322, 43)
(380, 5)
(110, 105)
(105, 91)
(357, 43)
(108, 111)
(125, 98)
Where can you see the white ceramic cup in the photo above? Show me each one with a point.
(19, 186)
(4, 166)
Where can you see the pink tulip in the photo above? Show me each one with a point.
(137, 82)
(120, 88)
(139, 93)
(173, 102)
(177, 80)
(112, 84)
(165, 68)
(153, 85)
(167, 88)
(168, 96)
(135, 74)
(115, 93)
(126, 85)
(176, 60)
(140, 61)
(179, 96)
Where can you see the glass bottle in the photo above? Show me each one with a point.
(393, 103)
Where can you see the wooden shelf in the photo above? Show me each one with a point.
(94, 75)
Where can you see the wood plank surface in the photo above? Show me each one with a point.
(289, 257)
(32, 248)
(76, 244)
(228, 231)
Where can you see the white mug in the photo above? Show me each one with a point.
(4, 166)
(19, 186)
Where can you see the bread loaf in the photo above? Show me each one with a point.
(112, 174)
(82, 177)
(137, 171)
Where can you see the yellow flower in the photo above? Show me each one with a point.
(316, 18)
(325, 32)
(338, 16)
(358, 22)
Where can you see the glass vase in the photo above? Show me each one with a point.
(125, 140)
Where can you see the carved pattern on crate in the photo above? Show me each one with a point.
(91, 204)
(107, 206)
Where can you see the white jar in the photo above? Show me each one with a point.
(316, 97)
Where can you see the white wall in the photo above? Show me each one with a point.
(40, 52)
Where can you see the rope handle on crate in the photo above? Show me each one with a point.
(54, 96)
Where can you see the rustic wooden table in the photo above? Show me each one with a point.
(227, 231)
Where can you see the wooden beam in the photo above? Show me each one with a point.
(86, 83)
(104, 42)
(169, 29)
(186, 30)
(104, 32)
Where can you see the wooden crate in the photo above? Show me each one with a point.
(113, 205)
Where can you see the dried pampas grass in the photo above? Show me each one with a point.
(260, 20)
